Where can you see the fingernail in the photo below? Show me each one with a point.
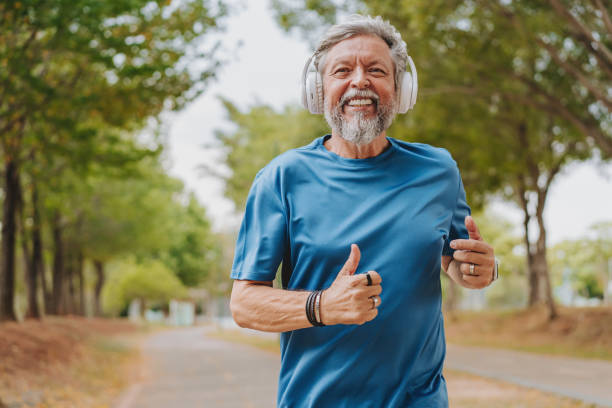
(452, 244)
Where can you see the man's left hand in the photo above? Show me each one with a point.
(473, 251)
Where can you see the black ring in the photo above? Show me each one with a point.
(369, 279)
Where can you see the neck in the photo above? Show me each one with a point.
(346, 149)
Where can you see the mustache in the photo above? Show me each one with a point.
(361, 93)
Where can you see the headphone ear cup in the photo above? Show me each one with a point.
(405, 93)
(312, 98)
(319, 94)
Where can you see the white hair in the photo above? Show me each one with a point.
(357, 24)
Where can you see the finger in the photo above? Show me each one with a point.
(375, 276)
(377, 300)
(374, 290)
(473, 232)
(370, 291)
(371, 314)
(473, 257)
(471, 245)
(475, 282)
(350, 266)
(478, 269)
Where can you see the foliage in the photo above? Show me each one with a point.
(150, 281)
(194, 254)
(571, 41)
(261, 135)
(586, 260)
(78, 80)
(497, 90)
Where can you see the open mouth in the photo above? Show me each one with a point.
(360, 102)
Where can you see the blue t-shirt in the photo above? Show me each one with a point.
(402, 208)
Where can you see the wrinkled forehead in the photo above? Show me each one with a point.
(368, 48)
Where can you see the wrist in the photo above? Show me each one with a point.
(313, 308)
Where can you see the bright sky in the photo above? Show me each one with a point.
(266, 68)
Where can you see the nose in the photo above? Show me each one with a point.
(360, 79)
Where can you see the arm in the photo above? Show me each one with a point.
(257, 305)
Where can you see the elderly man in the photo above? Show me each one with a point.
(397, 209)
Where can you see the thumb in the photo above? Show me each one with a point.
(472, 229)
(350, 266)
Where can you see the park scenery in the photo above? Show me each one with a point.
(130, 134)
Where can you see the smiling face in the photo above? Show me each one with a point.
(359, 88)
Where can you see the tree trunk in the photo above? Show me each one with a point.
(7, 270)
(71, 302)
(58, 267)
(79, 273)
(99, 268)
(542, 264)
(37, 248)
(532, 275)
(532, 272)
(30, 272)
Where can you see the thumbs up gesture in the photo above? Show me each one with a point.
(475, 259)
(351, 298)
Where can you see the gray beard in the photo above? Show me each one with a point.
(359, 130)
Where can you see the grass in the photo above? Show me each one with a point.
(66, 362)
(237, 336)
(577, 332)
(470, 391)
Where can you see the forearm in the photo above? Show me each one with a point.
(257, 305)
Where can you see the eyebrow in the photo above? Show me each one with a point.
(348, 61)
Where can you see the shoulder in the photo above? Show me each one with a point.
(426, 152)
(283, 165)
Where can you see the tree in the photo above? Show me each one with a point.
(588, 259)
(484, 95)
(127, 215)
(194, 254)
(147, 282)
(66, 63)
(262, 134)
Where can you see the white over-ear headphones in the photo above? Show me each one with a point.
(312, 88)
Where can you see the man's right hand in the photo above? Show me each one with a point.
(349, 300)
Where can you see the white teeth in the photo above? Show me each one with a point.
(355, 102)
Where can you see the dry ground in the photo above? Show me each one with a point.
(577, 332)
(470, 391)
(66, 362)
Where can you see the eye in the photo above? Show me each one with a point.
(341, 70)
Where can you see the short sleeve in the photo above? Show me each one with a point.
(262, 238)
(457, 228)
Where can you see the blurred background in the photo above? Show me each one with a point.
(131, 131)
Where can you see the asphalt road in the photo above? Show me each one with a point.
(188, 369)
(586, 380)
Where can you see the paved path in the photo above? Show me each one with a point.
(587, 380)
(187, 369)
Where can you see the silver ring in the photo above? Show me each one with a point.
(374, 301)
(471, 269)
